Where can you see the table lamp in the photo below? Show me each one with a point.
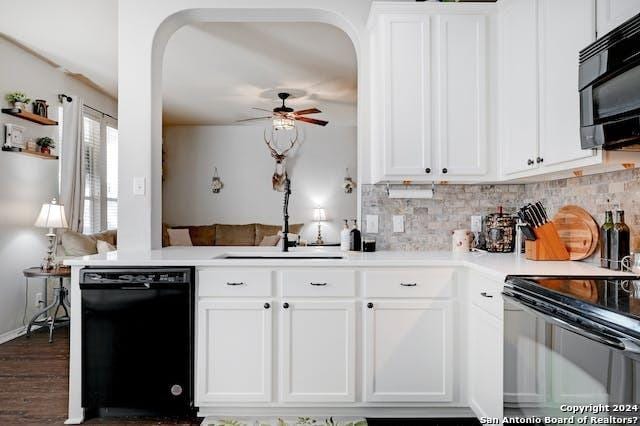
(51, 216)
(319, 215)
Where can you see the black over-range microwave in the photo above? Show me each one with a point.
(610, 90)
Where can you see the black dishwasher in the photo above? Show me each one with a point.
(137, 341)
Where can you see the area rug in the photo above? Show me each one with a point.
(285, 421)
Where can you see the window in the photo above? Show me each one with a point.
(100, 144)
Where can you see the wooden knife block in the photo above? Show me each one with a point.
(547, 246)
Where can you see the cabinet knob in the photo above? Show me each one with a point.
(369, 305)
(445, 171)
(285, 305)
(530, 162)
(267, 306)
(539, 160)
(427, 170)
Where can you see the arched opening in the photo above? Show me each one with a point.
(201, 20)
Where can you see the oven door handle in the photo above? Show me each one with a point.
(610, 341)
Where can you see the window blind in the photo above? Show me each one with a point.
(100, 164)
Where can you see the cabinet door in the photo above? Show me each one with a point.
(612, 13)
(318, 351)
(408, 351)
(566, 27)
(518, 86)
(462, 95)
(524, 357)
(234, 351)
(485, 364)
(407, 126)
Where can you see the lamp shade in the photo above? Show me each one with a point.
(319, 215)
(51, 216)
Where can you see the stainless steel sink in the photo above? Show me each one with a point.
(293, 256)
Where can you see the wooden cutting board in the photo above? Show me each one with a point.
(578, 230)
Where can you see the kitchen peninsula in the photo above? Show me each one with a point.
(385, 334)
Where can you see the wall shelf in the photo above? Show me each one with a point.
(29, 116)
(31, 153)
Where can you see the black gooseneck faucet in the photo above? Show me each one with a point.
(285, 211)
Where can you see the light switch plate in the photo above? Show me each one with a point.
(139, 185)
(398, 223)
(372, 224)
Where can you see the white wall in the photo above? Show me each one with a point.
(316, 168)
(28, 182)
(140, 53)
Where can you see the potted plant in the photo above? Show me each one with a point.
(45, 144)
(18, 100)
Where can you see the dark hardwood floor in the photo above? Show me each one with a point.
(34, 379)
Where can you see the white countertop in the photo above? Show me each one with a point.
(498, 265)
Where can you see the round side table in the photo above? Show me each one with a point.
(60, 299)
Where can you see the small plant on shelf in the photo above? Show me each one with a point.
(45, 144)
(18, 100)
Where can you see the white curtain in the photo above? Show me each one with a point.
(71, 173)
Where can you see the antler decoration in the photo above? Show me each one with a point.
(280, 175)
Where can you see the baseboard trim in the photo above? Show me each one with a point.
(12, 334)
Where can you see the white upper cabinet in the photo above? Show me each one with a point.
(518, 86)
(429, 92)
(406, 82)
(462, 95)
(539, 110)
(566, 27)
(612, 13)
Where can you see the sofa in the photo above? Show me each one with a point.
(251, 234)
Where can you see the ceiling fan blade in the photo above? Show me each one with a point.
(312, 121)
(262, 109)
(251, 119)
(307, 111)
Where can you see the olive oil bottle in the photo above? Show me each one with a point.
(606, 231)
(620, 241)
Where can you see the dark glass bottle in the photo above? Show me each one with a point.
(620, 239)
(355, 238)
(606, 231)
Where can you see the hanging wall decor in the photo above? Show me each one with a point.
(348, 183)
(216, 183)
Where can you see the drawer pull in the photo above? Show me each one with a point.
(319, 284)
(485, 294)
(235, 284)
(408, 284)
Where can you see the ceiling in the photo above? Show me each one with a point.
(214, 73)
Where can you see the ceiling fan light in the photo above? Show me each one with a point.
(283, 123)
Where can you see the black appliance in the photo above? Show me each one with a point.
(609, 84)
(591, 353)
(137, 341)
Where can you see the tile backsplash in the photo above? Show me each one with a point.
(429, 222)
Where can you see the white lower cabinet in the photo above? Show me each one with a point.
(408, 351)
(318, 351)
(485, 364)
(234, 348)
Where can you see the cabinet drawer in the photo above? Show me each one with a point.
(431, 282)
(235, 283)
(486, 294)
(319, 282)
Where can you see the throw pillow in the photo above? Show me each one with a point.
(77, 244)
(179, 237)
(104, 247)
(270, 240)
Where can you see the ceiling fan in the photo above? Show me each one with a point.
(285, 117)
